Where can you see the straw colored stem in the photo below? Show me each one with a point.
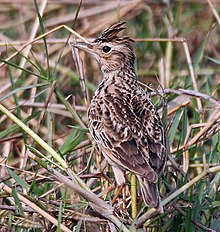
(133, 196)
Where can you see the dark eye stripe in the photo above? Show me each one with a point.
(106, 49)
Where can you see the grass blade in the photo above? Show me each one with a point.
(17, 179)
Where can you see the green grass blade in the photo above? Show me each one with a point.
(200, 51)
(60, 216)
(78, 128)
(73, 139)
(39, 154)
(77, 13)
(175, 124)
(29, 61)
(14, 94)
(68, 106)
(45, 41)
(79, 225)
(19, 210)
(23, 69)
(15, 126)
(38, 157)
(17, 179)
(22, 88)
(213, 60)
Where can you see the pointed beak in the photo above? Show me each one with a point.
(84, 46)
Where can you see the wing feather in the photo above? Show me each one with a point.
(130, 132)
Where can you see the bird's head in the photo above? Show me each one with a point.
(111, 51)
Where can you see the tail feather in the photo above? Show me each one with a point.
(150, 194)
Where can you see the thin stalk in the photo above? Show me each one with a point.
(133, 196)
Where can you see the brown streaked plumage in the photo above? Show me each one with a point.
(122, 119)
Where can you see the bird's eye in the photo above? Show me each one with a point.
(106, 49)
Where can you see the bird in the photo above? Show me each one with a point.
(122, 118)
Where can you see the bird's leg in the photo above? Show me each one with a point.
(124, 198)
(119, 176)
(120, 181)
(119, 191)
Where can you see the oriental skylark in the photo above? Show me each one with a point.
(122, 119)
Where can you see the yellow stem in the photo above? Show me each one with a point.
(133, 196)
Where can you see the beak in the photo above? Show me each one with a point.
(87, 47)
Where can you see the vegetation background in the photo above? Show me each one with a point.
(178, 57)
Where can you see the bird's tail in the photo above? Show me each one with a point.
(150, 194)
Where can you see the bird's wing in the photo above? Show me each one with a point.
(152, 142)
(130, 133)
